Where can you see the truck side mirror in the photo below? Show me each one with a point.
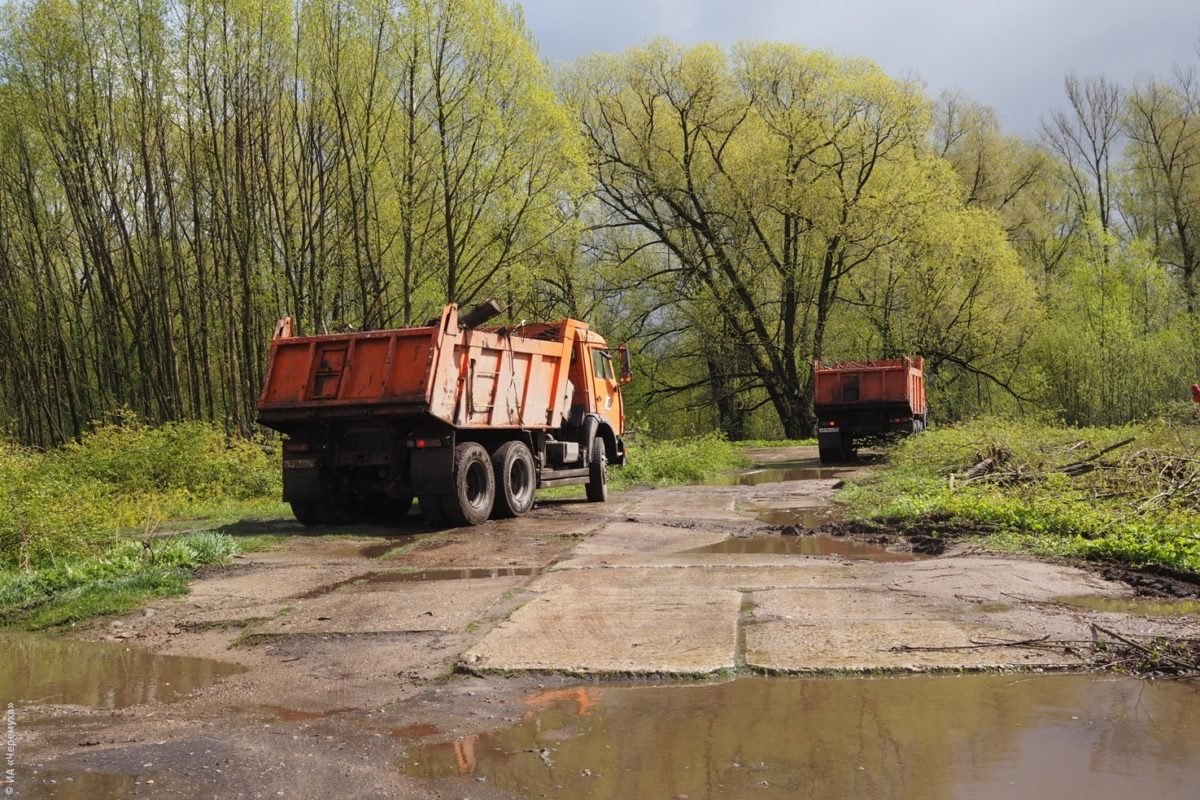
(626, 371)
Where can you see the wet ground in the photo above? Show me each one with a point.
(541, 657)
(912, 737)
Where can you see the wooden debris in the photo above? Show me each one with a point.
(1154, 656)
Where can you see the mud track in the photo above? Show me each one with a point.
(358, 644)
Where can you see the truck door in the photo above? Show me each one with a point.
(607, 390)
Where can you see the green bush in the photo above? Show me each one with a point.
(121, 481)
(678, 461)
(193, 456)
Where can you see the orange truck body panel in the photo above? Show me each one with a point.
(863, 401)
(470, 379)
(850, 383)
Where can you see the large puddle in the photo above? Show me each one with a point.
(1145, 606)
(979, 737)
(811, 545)
(779, 473)
(38, 669)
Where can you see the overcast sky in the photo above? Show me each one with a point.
(1009, 54)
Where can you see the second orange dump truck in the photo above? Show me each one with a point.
(859, 400)
(470, 421)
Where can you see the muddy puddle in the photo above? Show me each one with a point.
(809, 545)
(452, 574)
(424, 576)
(1145, 606)
(779, 473)
(37, 670)
(811, 518)
(974, 737)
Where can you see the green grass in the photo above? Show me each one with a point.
(78, 523)
(121, 482)
(678, 461)
(68, 590)
(670, 462)
(1115, 513)
(744, 443)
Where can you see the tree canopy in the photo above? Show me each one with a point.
(175, 176)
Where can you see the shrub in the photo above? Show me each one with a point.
(118, 482)
(678, 461)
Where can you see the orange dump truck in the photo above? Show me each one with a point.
(468, 420)
(857, 400)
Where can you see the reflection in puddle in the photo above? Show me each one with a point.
(451, 574)
(778, 473)
(40, 669)
(1147, 606)
(915, 737)
(813, 545)
(811, 518)
(417, 731)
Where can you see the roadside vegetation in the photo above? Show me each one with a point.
(678, 461)
(75, 522)
(78, 523)
(1128, 495)
(668, 462)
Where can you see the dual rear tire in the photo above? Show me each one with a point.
(502, 485)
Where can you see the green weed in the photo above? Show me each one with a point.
(67, 590)
(1115, 511)
(678, 461)
(120, 482)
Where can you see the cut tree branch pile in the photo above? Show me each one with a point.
(1150, 478)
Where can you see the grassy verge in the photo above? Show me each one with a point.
(1049, 490)
(678, 461)
(75, 521)
(121, 482)
(747, 443)
(671, 462)
(63, 591)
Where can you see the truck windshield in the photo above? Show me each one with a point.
(602, 364)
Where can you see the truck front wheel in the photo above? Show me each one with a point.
(512, 465)
(474, 490)
(597, 487)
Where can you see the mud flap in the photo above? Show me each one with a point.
(829, 445)
(431, 469)
(302, 484)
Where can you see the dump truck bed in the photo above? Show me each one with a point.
(850, 384)
(466, 378)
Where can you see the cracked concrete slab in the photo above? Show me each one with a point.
(601, 629)
(448, 606)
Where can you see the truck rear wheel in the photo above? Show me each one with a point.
(597, 487)
(306, 513)
(474, 486)
(512, 465)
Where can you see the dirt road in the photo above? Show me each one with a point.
(359, 646)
